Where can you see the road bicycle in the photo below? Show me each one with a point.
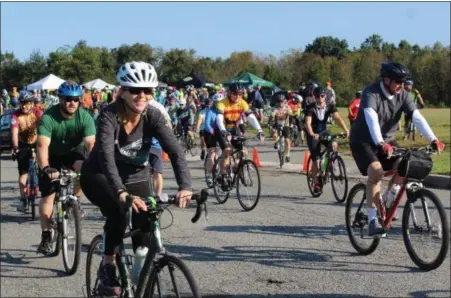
(332, 168)
(437, 230)
(66, 212)
(158, 259)
(32, 189)
(238, 175)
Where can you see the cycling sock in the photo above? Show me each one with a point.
(372, 214)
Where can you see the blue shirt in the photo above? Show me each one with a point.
(210, 120)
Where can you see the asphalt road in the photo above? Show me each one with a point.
(291, 245)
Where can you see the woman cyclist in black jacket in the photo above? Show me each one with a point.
(118, 165)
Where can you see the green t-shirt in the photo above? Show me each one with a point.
(414, 93)
(65, 134)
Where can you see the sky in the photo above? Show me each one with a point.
(216, 29)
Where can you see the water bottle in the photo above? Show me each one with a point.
(390, 194)
(140, 257)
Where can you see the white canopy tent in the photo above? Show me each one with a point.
(49, 82)
(98, 84)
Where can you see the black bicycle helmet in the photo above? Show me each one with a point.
(236, 88)
(394, 71)
(358, 94)
(280, 98)
(318, 91)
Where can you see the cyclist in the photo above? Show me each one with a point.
(417, 100)
(373, 133)
(227, 120)
(62, 131)
(295, 104)
(201, 124)
(24, 123)
(316, 124)
(281, 116)
(353, 108)
(156, 153)
(185, 116)
(210, 137)
(118, 164)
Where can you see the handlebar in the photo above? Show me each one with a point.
(159, 203)
(397, 151)
(329, 137)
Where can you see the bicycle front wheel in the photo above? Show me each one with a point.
(94, 258)
(428, 225)
(221, 196)
(339, 180)
(171, 278)
(248, 179)
(310, 180)
(71, 238)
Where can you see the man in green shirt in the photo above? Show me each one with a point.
(62, 131)
(417, 100)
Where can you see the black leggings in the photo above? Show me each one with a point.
(98, 191)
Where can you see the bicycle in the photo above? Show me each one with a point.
(281, 145)
(66, 208)
(332, 167)
(296, 137)
(236, 176)
(207, 156)
(31, 190)
(415, 192)
(156, 259)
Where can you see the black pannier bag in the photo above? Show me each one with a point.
(415, 165)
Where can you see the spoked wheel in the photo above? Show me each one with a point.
(310, 181)
(248, 186)
(296, 139)
(221, 196)
(281, 151)
(357, 221)
(339, 179)
(93, 261)
(71, 237)
(192, 147)
(171, 278)
(424, 224)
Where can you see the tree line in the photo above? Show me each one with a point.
(325, 59)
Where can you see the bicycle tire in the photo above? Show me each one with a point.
(169, 260)
(32, 204)
(342, 168)
(215, 172)
(77, 249)
(310, 179)
(244, 206)
(96, 241)
(352, 195)
(424, 265)
(55, 226)
(193, 148)
(281, 151)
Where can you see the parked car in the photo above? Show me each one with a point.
(5, 132)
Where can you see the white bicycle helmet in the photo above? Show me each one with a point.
(137, 74)
(216, 97)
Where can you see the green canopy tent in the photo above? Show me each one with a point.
(247, 78)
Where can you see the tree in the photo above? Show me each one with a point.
(373, 42)
(176, 64)
(328, 46)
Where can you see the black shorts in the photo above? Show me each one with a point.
(201, 133)
(365, 154)
(286, 130)
(23, 159)
(314, 146)
(211, 141)
(156, 160)
(58, 162)
(224, 143)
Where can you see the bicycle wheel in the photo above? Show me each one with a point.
(71, 238)
(55, 229)
(281, 151)
(436, 230)
(94, 257)
(32, 204)
(310, 181)
(221, 196)
(296, 139)
(339, 180)
(164, 274)
(245, 180)
(192, 147)
(359, 221)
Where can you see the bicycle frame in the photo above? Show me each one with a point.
(388, 218)
(32, 179)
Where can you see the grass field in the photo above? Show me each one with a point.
(438, 119)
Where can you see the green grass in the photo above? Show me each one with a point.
(438, 119)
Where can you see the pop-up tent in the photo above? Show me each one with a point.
(192, 79)
(48, 83)
(247, 78)
(98, 84)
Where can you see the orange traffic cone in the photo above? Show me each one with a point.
(165, 156)
(306, 157)
(255, 158)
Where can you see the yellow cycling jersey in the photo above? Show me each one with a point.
(232, 111)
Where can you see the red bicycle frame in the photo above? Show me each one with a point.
(387, 218)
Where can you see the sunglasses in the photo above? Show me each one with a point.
(237, 93)
(399, 82)
(322, 95)
(71, 99)
(136, 91)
